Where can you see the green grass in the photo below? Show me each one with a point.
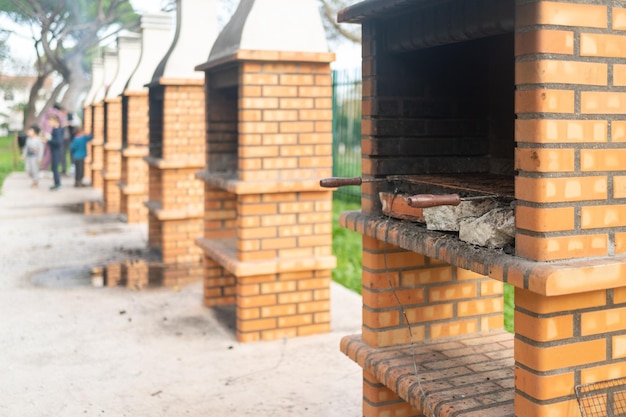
(347, 247)
(7, 158)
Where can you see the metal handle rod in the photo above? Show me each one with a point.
(431, 200)
(335, 182)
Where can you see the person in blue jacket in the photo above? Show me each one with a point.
(56, 146)
(78, 149)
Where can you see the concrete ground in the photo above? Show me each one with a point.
(68, 348)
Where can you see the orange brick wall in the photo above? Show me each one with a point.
(568, 130)
(439, 300)
(273, 129)
(176, 197)
(112, 164)
(566, 340)
(283, 305)
(285, 121)
(183, 122)
(134, 173)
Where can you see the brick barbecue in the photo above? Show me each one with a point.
(156, 36)
(97, 74)
(129, 50)
(267, 222)
(532, 91)
(96, 146)
(177, 145)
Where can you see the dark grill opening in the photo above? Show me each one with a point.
(106, 122)
(448, 109)
(156, 99)
(124, 122)
(222, 101)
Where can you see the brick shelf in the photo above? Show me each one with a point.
(132, 189)
(154, 207)
(230, 182)
(135, 151)
(111, 176)
(544, 278)
(189, 162)
(468, 376)
(224, 252)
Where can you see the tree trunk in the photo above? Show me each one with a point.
(30, 113)
(78, 84)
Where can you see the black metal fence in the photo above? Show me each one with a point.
(347, 130)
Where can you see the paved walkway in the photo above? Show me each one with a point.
(77, 350)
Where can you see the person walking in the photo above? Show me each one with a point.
(78, 149)
(56, 146)
(33, 153)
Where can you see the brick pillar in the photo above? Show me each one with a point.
(96, 149)
(112, 161)
(267, 222)
(176, 197)
(569, 132)
(134, 177)
(88, 128)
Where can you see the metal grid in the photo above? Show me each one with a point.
(602, 399)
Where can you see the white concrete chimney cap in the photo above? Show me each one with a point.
(157, 31)
(110, 69)
(272, 25)
(129, 51)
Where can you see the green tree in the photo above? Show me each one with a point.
(65, 32)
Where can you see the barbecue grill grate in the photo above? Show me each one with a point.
(602, 399)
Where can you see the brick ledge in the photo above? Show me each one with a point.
(545, 278)
(224, 252)
(258, 55)
(174, 164)
(136, 151)
(462, 376)
(231, 183)
(132, 189)
(111, 176)
(116, 147)
(155, 209)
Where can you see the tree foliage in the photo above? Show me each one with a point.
(65, 32)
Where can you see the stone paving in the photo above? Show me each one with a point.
(72, 349)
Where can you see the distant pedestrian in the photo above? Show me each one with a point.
(33, 153)
(56, 146)
(78, 149)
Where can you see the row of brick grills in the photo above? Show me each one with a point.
(266, 221)
(467, 86)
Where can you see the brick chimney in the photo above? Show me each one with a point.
(129, 50)
(267, 236)
(156, 36)
(96, 146)
(97, 79)
(176, 123)
(452, 90)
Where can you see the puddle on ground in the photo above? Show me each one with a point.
(134, 274)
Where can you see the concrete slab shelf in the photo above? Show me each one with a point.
(229, 181)
(224, 252)
(544, 278)
(127, 189)
(135, 151)
(155, 209)
(469, 375)
(188, 162)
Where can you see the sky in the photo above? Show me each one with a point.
(348, 54)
